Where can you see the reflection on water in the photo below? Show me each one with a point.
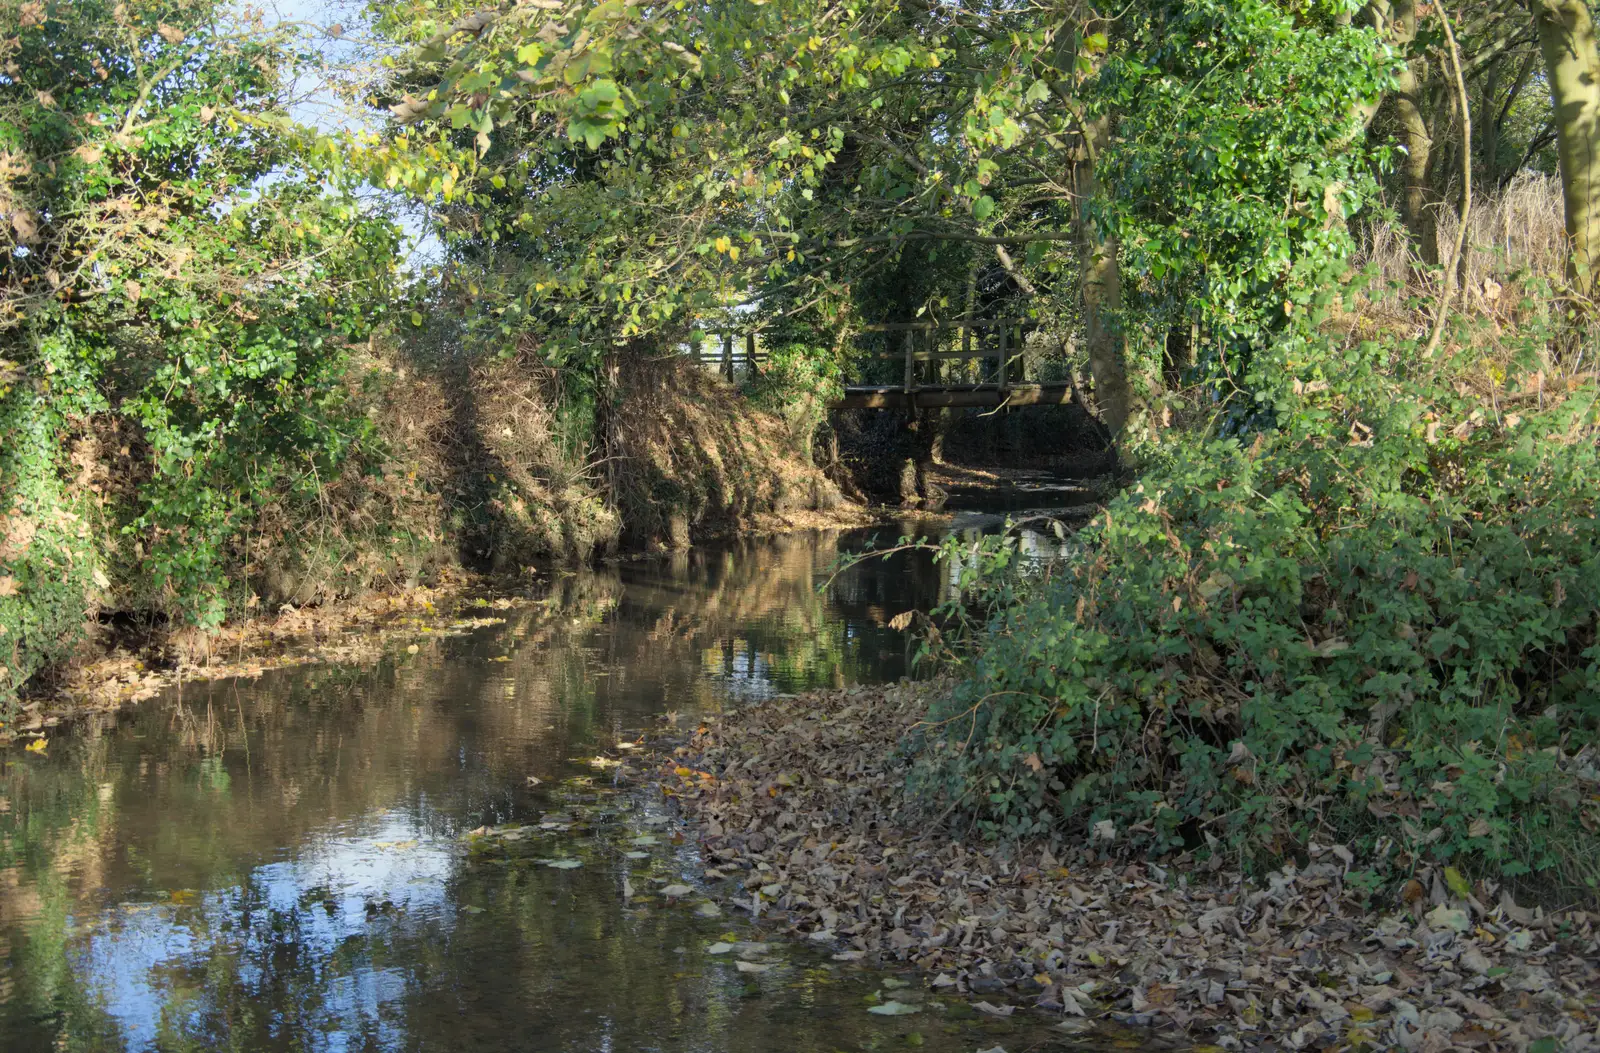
(278, 864)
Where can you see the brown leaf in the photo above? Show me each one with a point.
(171, 34)
(26, 227)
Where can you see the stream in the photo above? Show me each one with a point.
(285, 863)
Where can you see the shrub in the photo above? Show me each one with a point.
(796, 384)
(1375, 622)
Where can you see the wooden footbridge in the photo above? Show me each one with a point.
(990, 368)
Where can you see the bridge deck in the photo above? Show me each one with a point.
(898, 396)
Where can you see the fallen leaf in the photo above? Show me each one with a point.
(892, 1008)
(1443, 917)
(994, 1010)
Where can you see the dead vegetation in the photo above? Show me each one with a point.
(689, 459)
(805, 797)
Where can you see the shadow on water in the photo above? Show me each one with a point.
(279, 864)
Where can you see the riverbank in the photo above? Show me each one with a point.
(119, 671)
(119, 667)
(806, 798)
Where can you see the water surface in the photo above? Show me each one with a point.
(282, 863)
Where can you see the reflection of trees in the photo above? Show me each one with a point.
(170, 829)
(752, 617)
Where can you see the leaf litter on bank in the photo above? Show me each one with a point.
(808, 794)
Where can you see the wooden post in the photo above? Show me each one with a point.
(727, 357)
(750, 354)
(1002, 329)
(911, 350)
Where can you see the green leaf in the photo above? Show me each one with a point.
(983, 208)
(1457, 883)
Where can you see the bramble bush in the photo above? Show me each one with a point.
(1375, 622)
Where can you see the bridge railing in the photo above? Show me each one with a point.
(997, 339)
(728, 350)
(998, 345)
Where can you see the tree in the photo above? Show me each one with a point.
(182, 272)
(1572, 66)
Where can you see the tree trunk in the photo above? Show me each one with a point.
(1489, 128)
(1178, 355)
(1396, 21)
(1420, 205)
(1102, 289)
(1572, 66)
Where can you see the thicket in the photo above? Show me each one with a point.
(1372, 623)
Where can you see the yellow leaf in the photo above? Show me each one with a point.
(1457, 883)
(38, 745)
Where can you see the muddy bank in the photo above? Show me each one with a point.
(804, 799)
(118, 671)
(121, 665)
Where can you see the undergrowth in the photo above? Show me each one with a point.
(1368, 616)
